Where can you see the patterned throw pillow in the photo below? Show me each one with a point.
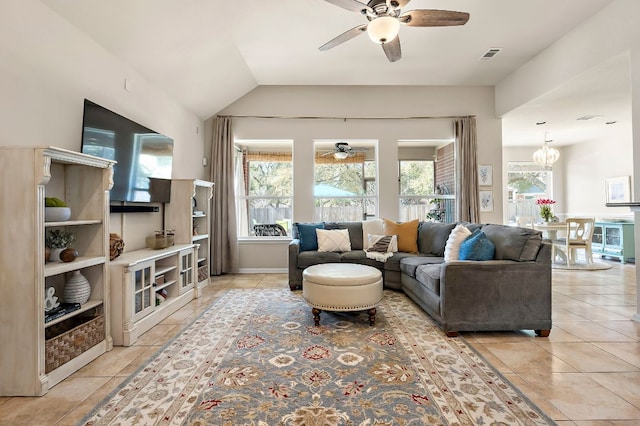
(456, 237)
(333, 240)
(383, 243)
(407, 233)
(371, 227)
(477, 246)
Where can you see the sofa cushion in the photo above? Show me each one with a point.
(360, 257)
(355, 232)
(333, 240)
(408, 265)
(407, 233)
(514, 243)
(393, 263)
(429, 276)
(371, 227)
(456, 237)
(306, 232)
(477, 246)
(310, 258)
(432, 237)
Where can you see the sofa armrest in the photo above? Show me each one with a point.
(295, 280)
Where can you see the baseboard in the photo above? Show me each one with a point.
(263, 270)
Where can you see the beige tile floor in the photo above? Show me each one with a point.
(587, 372)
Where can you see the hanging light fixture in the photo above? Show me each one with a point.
(545, 155)
(383, 29)
(340, 155)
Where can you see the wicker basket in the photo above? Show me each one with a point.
(82, 333)
(203, 273)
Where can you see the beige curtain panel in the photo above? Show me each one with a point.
(468, 200)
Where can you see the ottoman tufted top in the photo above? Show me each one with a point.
(341, 274)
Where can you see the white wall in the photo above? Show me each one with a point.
(362, 101)
(48, 67)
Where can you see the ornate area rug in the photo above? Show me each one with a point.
(255, 358)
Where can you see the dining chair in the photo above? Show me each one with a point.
(579, 234)
(525, 221)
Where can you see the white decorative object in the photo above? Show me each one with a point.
(77, 289)
(54, 256)
(57, 214)
(335, 240)
(50, 300)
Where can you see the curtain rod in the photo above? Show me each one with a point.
(283, 117)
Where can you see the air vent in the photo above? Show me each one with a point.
(489, 54)
(589, 117)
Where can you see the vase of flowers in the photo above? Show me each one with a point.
(545, 208)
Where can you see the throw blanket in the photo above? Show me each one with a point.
(380, 247)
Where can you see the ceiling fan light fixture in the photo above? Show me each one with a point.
(340, 155)
(383, 29)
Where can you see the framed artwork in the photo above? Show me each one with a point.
(486, 201)
(618, 189)
(485, 175)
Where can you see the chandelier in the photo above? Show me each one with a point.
(545, 155)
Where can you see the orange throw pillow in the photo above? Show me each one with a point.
(407, 233)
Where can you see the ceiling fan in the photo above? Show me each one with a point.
(385, 17)
(342, 150)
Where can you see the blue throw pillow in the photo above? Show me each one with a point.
(307, 235)
(477, 246)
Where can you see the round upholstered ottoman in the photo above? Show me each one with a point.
(342, 287)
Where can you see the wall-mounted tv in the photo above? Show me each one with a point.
(142, 154)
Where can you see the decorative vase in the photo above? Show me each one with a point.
(54, 256)
(77, 289)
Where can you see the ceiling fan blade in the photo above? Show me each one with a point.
(345, 36)
(392, 49)
(352, 5)
(433, 18)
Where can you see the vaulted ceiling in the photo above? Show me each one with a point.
(208, 53)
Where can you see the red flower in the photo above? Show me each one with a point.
(544, 201)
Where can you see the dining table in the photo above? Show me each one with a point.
(550, 230)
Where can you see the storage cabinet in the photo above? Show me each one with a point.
(36, 355)
(614, 239)
(189, 214)
(147, 286)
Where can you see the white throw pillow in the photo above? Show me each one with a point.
(371, 227)
(383, 243)
(333, 240)
(456, 237)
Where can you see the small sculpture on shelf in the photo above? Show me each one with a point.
(116, 245)
(50, 299)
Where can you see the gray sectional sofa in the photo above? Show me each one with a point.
(510, 292)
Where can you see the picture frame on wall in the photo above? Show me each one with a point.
(485, 175)
(486, 201)
(618, 189)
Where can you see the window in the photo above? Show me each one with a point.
(416, 188)
(526, 182)
(426, 180)
(345, 188)
(264, 188)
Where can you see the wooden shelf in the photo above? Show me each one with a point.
(83, 182)
(84, 308)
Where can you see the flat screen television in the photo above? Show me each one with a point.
(144, 157)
